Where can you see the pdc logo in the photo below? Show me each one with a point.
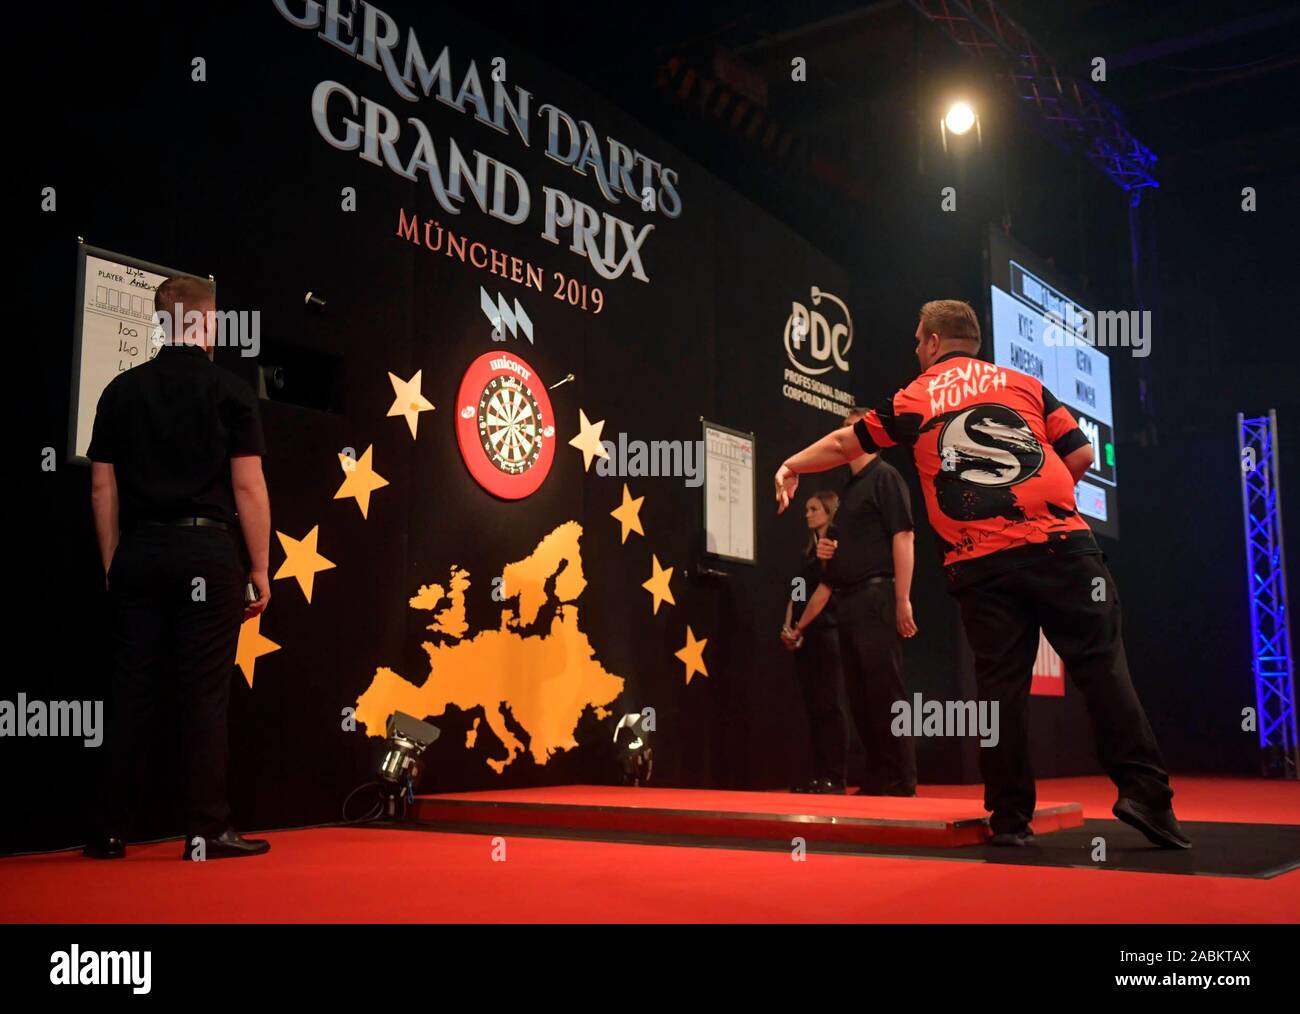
(814, 343)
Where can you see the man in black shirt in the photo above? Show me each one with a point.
(176, 457)
(869, 568)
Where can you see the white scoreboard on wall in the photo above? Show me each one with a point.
(1025, 302)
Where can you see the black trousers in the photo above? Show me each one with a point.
(872, 652)
(168, 625)
(1075, 602)
(821, 678)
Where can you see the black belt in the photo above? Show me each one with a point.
(188, 523)
(857, 586)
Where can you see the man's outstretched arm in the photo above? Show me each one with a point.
(838, 448)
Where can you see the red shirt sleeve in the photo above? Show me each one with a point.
(883, 427)
(1062, 428)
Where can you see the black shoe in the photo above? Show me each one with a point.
(809, 787)
(229, 845)
(1013, 838)
(105, 846)
(826, 787)
(1160, 826)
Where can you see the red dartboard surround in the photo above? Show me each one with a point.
(504, 425)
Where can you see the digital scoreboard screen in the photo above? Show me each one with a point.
(1024, 304)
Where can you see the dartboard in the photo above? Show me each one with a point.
(504, 425)
(509, 425)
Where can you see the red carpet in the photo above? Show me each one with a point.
(358, 875)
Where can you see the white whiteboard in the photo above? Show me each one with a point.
(114, 329)
(729, 493)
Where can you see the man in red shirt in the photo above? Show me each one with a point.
(999, 457)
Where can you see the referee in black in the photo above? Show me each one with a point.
(869, 569)
(176, 474)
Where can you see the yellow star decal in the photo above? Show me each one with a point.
(407, 399)
(301, 560)
(252, 646)
(692, 655)
(359, 479)
(628, 513)
(588, 440)
(658, 584)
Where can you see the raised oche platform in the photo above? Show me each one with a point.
(685, 814)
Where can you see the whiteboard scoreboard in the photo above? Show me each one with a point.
(729, 493)
(114, 330)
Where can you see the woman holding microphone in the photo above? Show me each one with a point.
(810, 633)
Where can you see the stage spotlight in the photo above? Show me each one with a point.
(632, 743)
(960, 118)
(400, 768)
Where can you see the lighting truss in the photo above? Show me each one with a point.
(1270, 631)
(1071, 111)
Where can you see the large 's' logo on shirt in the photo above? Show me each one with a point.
(983, 450)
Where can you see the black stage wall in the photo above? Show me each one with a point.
(231, 176)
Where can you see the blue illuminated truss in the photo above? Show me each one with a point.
(1073, 113)
(1270, 630)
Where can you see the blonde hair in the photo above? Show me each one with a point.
(830, 501)
(182, 289)
(179, 296)
(952, 320)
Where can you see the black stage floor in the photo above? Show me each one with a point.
(1257, 851)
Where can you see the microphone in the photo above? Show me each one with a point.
(833, 532)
